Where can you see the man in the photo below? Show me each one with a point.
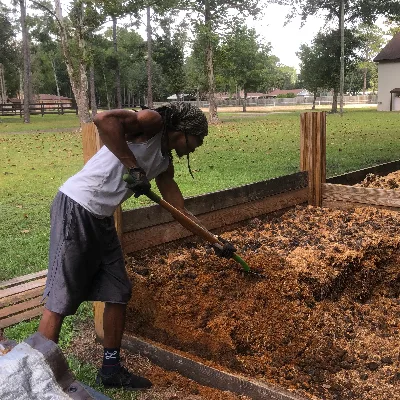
(85, 258)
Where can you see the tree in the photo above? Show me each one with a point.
(286, 77)
(49, 74)
(344, 11)
(9, 55)
(216, 14)
(27, 63)
(320, 63)
(243, 59)
(168, 54)
(310, 76)
(372, 42)
(366, 11)
(196, 79)
(117, 9)
(73, 32)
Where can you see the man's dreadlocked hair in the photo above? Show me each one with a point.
(183, 117)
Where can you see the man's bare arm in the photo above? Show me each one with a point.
(115, 124)
(171, 193)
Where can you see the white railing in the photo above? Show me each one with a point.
(300, 100)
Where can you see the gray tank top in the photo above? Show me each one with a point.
(99, 187)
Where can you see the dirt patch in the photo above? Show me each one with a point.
(325, 323)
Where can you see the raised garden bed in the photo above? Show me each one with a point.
(325, 323)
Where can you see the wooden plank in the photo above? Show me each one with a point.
(153, 236)
(313, 153)
(15, 319)
(154, 215)
(320, 155)
(354, 177)
(16, 298)
(205, 375)
(347, 205)
(17, 308)
(24, 278)
(91, 145)
(303, 143)
(90, 141)
(22, 288)
(118, 221)
(380, 197)
(98, 320)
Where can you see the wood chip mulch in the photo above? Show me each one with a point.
(325, 323)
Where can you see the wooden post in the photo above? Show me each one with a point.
(91, 144)
(313, 153)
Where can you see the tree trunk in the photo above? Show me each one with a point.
(341, 55)
(314, 101)
(149, 61)
(76, 68)
(93, 104)
(79, 88)
(365, 81)
(213, 114)
(3, 92)
(117, 71)
(53, 65)
(25, 49)
(244, 99)
(107, 95)
(335, 101)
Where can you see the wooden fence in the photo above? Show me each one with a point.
(20, 298)
(38, 108)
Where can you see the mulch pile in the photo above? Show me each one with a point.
(325, 322)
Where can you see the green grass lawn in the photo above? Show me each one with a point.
(243, 149)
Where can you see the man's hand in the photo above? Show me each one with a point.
(226, 251)
(140, 184)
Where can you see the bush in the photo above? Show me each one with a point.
(286, 96)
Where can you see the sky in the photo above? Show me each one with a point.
(286, 40)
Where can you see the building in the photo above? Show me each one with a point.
(294, 92)
(389, 76)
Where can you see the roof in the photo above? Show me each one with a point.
(396, 90)
(50, 97)
(391, 51)
(297, 92)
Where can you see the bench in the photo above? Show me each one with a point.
(20, 298)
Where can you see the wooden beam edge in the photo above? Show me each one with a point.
(22, 288)
(370, 196)
(24, 316)
(23, 279)
(159, 234)
(151, 215)
(205, 375)
(346, 205)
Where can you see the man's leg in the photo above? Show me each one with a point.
(112, 374)
(113, 324)
(50, 325)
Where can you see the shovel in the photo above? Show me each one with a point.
(192, 226)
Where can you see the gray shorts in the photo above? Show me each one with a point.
(85, 259)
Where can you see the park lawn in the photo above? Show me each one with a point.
(240, 150)
(47, 123)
